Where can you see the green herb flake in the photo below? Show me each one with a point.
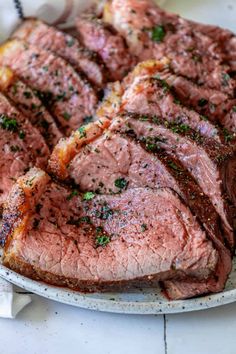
(21, 134)
(234, 109)
(174, 166)
(225, 79)
(72, 194)
(88, 195)
(180, 128)
(82, 132)
(121, 183)
(66, 116)
(101, 238)
(70, 42)
(158, 34)
(202, 102)
(143, 227)
(87, 119)
(8, 123)
(27, 94)
(227, 135)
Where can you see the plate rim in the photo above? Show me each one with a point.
(81, 300)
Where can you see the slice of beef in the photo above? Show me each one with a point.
(153, 33)
(110, 46)
(208, 162)
(27, 101)
(67, 148)
(113, 163)
(211, 104)
(225, 38)
(47, 37)
(21, 145)
(61, 239)
(152, 96)
(68, 96)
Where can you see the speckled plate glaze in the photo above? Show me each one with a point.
(148, 301)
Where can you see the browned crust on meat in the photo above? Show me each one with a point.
(67, 148)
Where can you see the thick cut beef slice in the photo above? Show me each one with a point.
(21, 146)
(47, 37)
(60, 238)
(67, 148)
(152, 96)
(113, 163)
(153, 33)
(110, 46)
(27, 101)
(68, 96)
(208, 162)
(212, 105)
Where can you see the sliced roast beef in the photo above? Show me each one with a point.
(69, 97)
(21, 146)
(207, 161)
(47, 37)
(211, 104)
(59, 237)
(152, 96)
(153, 33)
(67, 148)
(27, 101)
(110, 46)
(112, 163)
(225, 39)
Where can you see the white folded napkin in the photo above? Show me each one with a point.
(10, 301)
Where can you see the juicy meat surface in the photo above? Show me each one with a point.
(47, 37)
(153, 33)
(63, 239)
(113, 162)
(27, 101)
(69, 97)
(110, 46)
(21, 146)
(205, 160)
(212, 105)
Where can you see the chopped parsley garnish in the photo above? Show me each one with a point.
(82, 132)
(101, 238)
(174, 166)
(70, 42)
(158, 33)
(88, 195)
(45, 68)
(163, 83)
(143, 227)
(225, 79)
(152, 143)
(27, 94)
(8, 123)
(87, 119)
(21, 134)
(179, 128)
(79, 221)
(66, 116)
(61, 96)
(72, 194)
(105, 213)
(234, 108)
(121, 183)
(227, 136)
(202, 102)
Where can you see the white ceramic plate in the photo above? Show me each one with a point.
(148, 301)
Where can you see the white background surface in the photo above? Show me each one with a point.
(47, 327)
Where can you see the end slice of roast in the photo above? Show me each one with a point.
(47, 37)
(56, 236)
(68, 96)
(27, 101)
(22, 146)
